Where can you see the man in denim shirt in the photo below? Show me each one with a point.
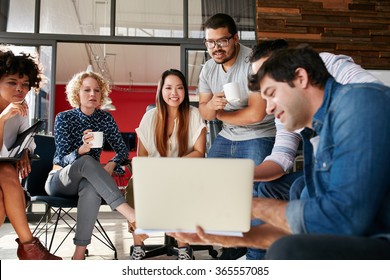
(347, 212)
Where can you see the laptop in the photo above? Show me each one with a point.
(177, 194)
(23, 140)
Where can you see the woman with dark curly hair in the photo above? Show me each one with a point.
(18, 74)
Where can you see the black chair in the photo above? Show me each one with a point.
(213, 128)
(169, 246)
(57, 209)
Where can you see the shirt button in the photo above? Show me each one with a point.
(324, 165)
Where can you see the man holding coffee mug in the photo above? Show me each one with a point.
(247, 131)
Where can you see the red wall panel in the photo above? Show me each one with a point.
(130, 107)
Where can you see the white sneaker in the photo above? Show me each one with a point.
(138, 253)
(185, 253)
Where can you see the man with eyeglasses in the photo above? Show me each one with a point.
(247, 131)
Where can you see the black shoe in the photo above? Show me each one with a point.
(232, 253)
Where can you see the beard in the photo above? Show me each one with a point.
(225, 58)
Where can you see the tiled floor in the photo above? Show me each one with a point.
(116, 228)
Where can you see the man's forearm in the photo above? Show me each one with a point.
(271, 211)
(207, 113)
(239, 117)
(268, 171)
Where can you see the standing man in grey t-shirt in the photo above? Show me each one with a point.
(247, 132)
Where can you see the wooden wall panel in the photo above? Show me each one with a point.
(359, 28)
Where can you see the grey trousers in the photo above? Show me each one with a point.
(87, 179)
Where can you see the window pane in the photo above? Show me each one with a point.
(243, 12)
(86, 17)
(196, 59)
(43, 97)
(149, 18)
(21, 16)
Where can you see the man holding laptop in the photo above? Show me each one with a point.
(347, 212)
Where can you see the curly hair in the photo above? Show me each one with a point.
(74, 85)
(23, 64)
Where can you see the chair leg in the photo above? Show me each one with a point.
(38, 229)
(107, 241)
(71, 227)
(62, 214)
(153, 250)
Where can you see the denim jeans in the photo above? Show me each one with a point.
(255, 149)
(277, 189)
(298, 189)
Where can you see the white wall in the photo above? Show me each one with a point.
(383, 75)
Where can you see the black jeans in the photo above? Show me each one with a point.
(329, 247)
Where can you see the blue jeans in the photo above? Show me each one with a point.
(298, 189)
(277, 189)
(255, 149)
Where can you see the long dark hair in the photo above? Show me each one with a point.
(161, 134)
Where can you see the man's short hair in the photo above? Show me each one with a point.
(266, 47)
(221, 20)
(282, 64)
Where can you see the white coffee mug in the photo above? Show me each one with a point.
(97, 141)
(232, 92)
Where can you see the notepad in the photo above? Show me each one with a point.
(177, 194)
(23, 140)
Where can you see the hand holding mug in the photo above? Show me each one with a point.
(219, 101)
(86, 146)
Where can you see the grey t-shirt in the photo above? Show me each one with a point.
(211, 80)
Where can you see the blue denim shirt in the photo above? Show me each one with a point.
(68, 132)
(347, 170)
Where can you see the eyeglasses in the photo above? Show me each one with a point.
(210, 44)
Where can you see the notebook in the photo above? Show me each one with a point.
(22, 142)
(177, 194)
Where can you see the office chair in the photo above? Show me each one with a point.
(169, 246)
(56, 208)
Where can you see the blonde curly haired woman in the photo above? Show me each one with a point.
(77, 170)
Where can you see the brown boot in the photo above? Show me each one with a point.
(34, 251)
